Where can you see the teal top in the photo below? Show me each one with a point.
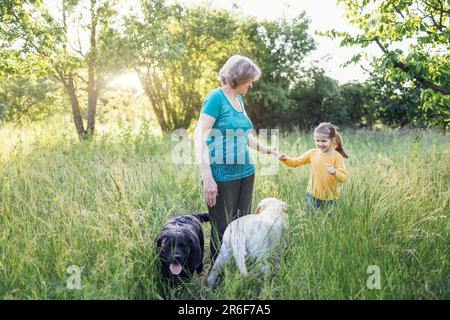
(228, 141)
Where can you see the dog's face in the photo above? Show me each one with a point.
(274, 203)
(174, 250)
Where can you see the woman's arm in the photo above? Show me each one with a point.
(204, 127)
(258, 146)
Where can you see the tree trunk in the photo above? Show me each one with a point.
(92, 81)
(155, 98)
(69, 85)
(78, 120)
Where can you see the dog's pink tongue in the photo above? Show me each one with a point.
(175, 268)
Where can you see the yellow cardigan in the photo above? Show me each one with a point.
(322, 184)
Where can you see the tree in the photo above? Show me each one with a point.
(176, 52)
(279, 48)
(423, 23)
(399, 104)
(357, 102)
(28, 98)
(316, 99)
(38, 42)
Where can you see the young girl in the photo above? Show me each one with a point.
(327, 166)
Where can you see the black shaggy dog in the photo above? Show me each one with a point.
(180, 245)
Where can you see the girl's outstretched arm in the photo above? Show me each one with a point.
(299, 161)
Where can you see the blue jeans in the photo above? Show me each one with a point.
(312, 202)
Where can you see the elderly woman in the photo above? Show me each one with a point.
(222, 140)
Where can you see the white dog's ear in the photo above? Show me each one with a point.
(284, 206)
(259, 209)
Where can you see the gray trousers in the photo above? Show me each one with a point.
(234, 200)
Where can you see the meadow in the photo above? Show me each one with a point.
(99, 205)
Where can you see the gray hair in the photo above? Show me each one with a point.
(237, 70)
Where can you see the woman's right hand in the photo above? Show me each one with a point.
(211, 191)
(272, 150)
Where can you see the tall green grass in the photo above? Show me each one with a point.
(99, 205)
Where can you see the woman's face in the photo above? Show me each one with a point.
(243, 87)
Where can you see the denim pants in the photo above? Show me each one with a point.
(314, 203)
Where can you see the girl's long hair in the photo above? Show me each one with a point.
(331, 130)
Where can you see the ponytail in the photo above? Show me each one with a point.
(340, 147)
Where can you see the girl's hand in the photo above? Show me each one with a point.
(331, 169)
(282, 156)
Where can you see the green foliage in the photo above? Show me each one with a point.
(426, 62)
(316, 100)
(355, 97)
(279, 48)
(176, 52)
(398, 102)
(37, 42)
(28, 99)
